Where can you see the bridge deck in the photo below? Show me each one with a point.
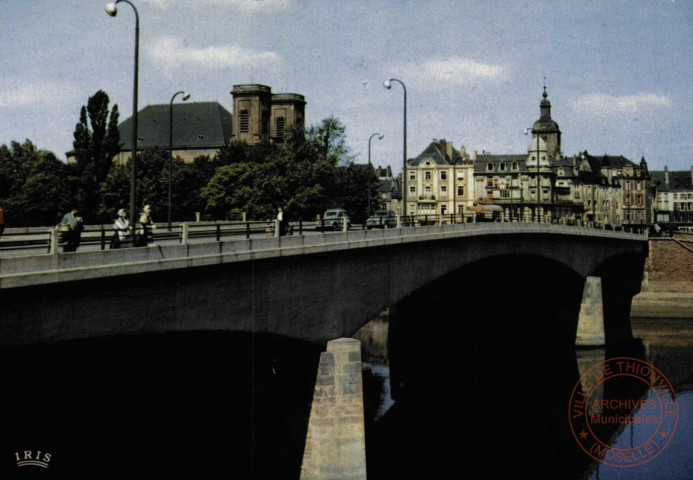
(65, 267)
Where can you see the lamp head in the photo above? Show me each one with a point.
(387, 84)
(186, 96)
(527, 131)
(380, 137)
(111, 9)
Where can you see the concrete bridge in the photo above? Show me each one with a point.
(446, 286)
(315, 288)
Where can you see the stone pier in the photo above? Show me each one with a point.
(590, 330)
(336, 439)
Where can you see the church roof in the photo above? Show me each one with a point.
(195, 125)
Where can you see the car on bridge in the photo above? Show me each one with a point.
(333, 219)
(382, 219)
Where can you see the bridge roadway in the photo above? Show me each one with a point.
(311, 287)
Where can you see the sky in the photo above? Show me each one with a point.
(618, 73)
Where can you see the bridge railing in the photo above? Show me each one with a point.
(39, 240)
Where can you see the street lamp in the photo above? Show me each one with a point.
(380, 137)
(170, 144)
(527, 131)
(388, 85)
(113, 11)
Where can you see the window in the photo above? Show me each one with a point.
(444, 189)
(502, 167)
(412, 189)
(427, 175)
(505, 193)
(427, 189)
(514, 165)
(245, 121)
(460, 191)
(443, 175)
(489, 167)
(281, 129)
(412, 175)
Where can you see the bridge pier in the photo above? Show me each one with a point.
(336, 439)
(590, 329)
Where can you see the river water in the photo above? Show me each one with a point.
(213, 404)
(507, 418)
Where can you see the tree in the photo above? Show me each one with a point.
(96, 143)
(34, 185)
(329, 139)
(351, 190)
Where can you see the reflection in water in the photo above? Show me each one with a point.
(505, 414)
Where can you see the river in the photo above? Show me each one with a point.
(211, 404)
(507, 415)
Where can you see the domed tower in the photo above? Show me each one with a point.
(547, 129)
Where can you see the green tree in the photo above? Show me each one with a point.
(34, 185)
(351, 190)
(96, 143)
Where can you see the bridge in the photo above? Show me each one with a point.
(311, 287)
(445, 286)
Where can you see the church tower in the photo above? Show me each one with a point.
(547, 129)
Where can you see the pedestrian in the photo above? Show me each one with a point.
(2, 221)
(269, 228)
(122, 235)
(71, 227)
(146, 233)
(280, 222)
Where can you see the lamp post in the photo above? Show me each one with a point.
(526, 132)
(388, 85)
(170, 145)
(113, 11)
(380, 137)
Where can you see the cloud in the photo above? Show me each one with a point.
(238, 6)
(459, 71)
(172, 52)
(39, 94)
(603, 104)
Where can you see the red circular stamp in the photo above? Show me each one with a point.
(621, 393)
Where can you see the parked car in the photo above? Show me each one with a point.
(382, 219)
(332, 219)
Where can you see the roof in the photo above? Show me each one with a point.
(483, 159)
(195, 125)
(434, 153)
(680, 180)
(430, 153)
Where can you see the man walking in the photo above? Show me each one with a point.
(74, 233)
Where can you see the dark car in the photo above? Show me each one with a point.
(382, 219)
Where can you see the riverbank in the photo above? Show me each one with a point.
(662, 305)
(667, 287)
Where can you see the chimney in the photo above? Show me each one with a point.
(666, 176)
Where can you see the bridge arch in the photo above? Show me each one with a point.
(295, 287)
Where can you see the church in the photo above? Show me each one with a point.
(202, 128)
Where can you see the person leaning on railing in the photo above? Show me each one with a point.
(122, 235)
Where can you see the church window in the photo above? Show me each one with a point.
(281, 129)
(245, 121)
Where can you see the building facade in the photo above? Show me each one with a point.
(440, 181)
(543, 185)
(674, 201)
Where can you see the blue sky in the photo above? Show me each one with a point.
(618, 72)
